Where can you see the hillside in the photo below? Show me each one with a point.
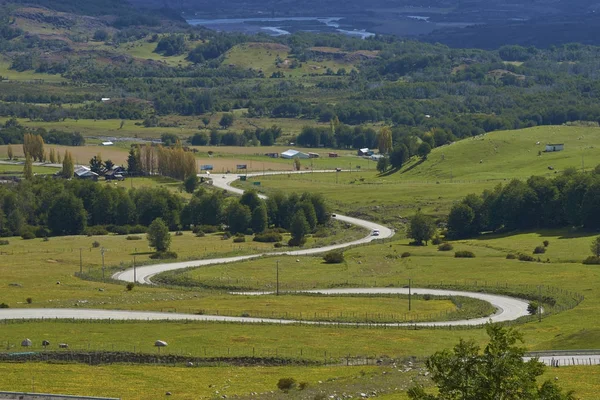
(509, 154)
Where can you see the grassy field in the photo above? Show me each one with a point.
(272, 57)
(26, 76)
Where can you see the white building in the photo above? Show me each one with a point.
(289, 154)
(555, 147)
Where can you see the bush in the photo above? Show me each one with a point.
(464, 254)
(592, 260)
(95, 244)
(268, 237)
(511, 256)
(163, 255)
(97, 230)
(239, 239)
(427, 297)
(208, 228)
(334, 257)
(445, 247)
(138, 229)
(286, 384)
(130, 286)
(296, 242)
(4, 242)
(546, 243)
(178, 233)
(532, 307)
(539, 250)
(526, 257)
(3, 305)
(118, 229)
(200, 234)
(42, 232)
(278, 245)
(133, 237)
(226, 236)
(436, 241)
(28, 233)
(405, 254)
(302, 385)
(29, 300)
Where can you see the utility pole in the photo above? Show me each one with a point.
(277, 278)
(102, 252)
(134, 271)
(540, 303)
(409, 295)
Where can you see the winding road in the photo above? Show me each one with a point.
(507, 308)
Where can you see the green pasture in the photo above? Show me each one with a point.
(263, 57)
(130, 382)
(13, 75)
(12, 169)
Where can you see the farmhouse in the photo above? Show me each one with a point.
(313, 155)
(555, 147)
(333, 155)
(116, 173)
(289, 154)
(82, 172)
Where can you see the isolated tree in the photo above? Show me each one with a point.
(28, 168)
(206, 122)
(159, 236)
(383, 164)
(596, 247)
(9, 152)
(100, 35)
(238, 217)
(96, 164)
(398, 156)
(68, 168)
(259, 220)
(134, 164)
(384, 140)
(423, 150)
(299, 228)
(297, 164)
(190, 183)
(497, 372)
(421, 228)
(66, 215)
(226, 120)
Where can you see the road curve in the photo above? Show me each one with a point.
(223, 181)
(508, 309)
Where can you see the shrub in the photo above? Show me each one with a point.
(3, 305)
(138, 229)
(302, 385)
(427, 297)
(163, 255)
(29, 300)
(286, 384)
(321, 233)
(118, 229)
(436, 241)
(539, 250)
(226, 236)
(178, 233)
(334, 257)
(464, 254)
(526, 257)
(200, 234)
(130, 286)
(511, 256)
(28, 233)
(208, 228)
(4, 242)
(97, 230)
(268, 237)
(546, 243)
(133, 237)
(405, 254)
(95, 244)
(445, 247)
(42, 232)
(296, 241)
(278, 245)
(591, 260)
(239, 239)
(532, 307)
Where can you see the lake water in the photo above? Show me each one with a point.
(277, 26)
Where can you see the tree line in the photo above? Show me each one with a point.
(570, 199)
